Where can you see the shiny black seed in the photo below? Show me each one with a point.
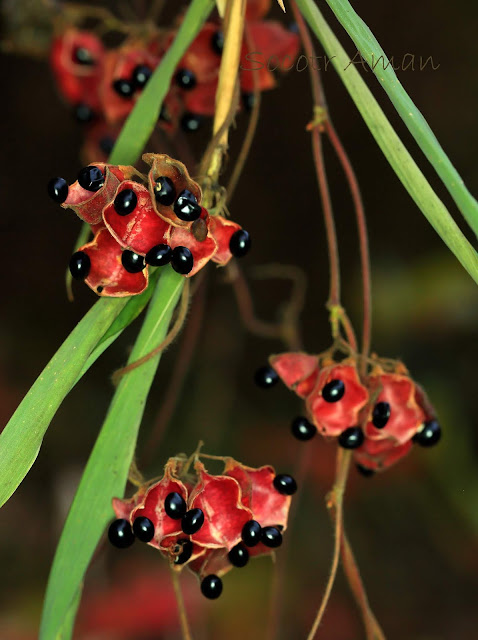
(381, 414)
(266, 377)
(91, 178)
(185, 79)
(125, 202)
(217, 42)
(164, 191)
(302, 429)
(351, 438)
(106, 144)
(251, 533)
(186, 206)
(175, 505)
(192, 521)
(271, 537)
(367, 473)
(429, 435)
(182, 260)
(81, 55)
(186, 553)
(285, 484)
(120, 534)
(238, 555)
(143, 529)
(99, 289)
(240, 243)
(333, 391)
(211, 587)
(132, 262)
(58, 189)
(159, 255)
(191, 122)
(123, 88)
(80, 265)
(248, 101)
(140, 76)
(83, 113)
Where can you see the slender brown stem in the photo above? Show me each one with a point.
(335, 504)
(186, 632)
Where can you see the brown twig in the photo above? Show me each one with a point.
(186, 632)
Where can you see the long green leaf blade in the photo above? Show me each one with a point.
(106, 473)
(373, 53)
(394, 150)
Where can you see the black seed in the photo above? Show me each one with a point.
(120, 534)
(266, 377)
(351, 438)
(217, 42)
(83, 113)
(248, 101)
(106, 144)
(164, 114)
(240, 243)
(186, 553)
(182, 260)
(211, 587)
(185, 79)
(238, 555)
(159, 255)
(333, 391)
(140, 76)
(80, 265)
(191, 122)
(367, 473)
(164, 191)
(429, 435)
(143, 529)
(186, 206)
(91, 178)
(125, 202)
(251, 533)
(381, 414)
(192, 521)
(81, 55)
(294, 27)
(132, 262)
(175, 505)
(285, 484)
(302, 429)
(58, 189)
(271, 537)
(123, 88)
(99, 289)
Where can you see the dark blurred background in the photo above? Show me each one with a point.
(414, 528)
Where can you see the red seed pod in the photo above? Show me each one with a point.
(202, 57)
(162, 166)
(338, 397)
(107, 275)
(299, 371)
(222, 230)
(257, 9)
(394, 412)
(77, 59)
(202, 99)
(131, 219)
(378, 455)
(202, 249)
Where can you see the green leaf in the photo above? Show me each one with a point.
(373, 53)
(141, 123)
(21, 439)
(399, 158)
(106, 473)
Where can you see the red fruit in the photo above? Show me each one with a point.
(378, 455)
(222, 230)
(331, 418)
(257, 9)
(107, 276)
(202, 249)
(139, 230)
(299, 371)
(200, 58)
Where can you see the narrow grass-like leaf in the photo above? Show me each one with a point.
(21, 438)
(138, 129)
(394, 150)
(106, 473)
(382, 67)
